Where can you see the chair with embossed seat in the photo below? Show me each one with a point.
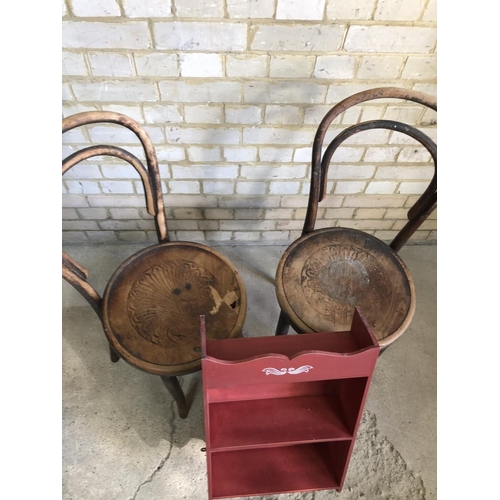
(151, 306)
(325, 273)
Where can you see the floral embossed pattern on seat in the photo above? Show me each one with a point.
(168, 295)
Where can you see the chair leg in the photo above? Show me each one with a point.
(173, 386)
(113, 355)
(283, 325)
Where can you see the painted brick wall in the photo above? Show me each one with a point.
(231, 93)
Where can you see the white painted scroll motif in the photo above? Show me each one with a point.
(284, 371)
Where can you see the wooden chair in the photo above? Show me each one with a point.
(151, 306)
(325, 273)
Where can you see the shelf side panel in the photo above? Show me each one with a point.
(361, 330)
(351, 394)
(339, 453)
(206, 411)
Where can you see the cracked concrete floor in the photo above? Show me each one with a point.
(123, 439)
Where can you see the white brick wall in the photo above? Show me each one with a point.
(291, 66)
(156, 64)
(115, 91)
(205, 172)
(195, 8)
(361, 9)
(83, 171)
(279, 155)
(390, 39)
(231, 93)
(218, 187)
(430, 13)
(203, 114)
(66, 92)
(251, 188)
(420, 68)
(203, 135)
(200, 36)
(73, 64)
(184, 187)
(381, 155)
(300, 37)
(284, 92)
(399, 10)
(99, 35)
(147, 8)
(274, 135)
(240, 154)
(185, 91)
(335, 67)
(134, 112)
(246, 65)
(243, 114)
(201, 65)
(381, 187)
(300, 9)
(282, 114)
(380, 67)
(162, 113)
(407, 114)
(200, 153)
(252, 9)
(95, 8)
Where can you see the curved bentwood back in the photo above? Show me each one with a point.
(73, 272)
(427, 202)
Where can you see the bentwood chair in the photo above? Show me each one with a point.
(325, 273)
(151, 306)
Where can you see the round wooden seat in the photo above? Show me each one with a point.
(324, 274)
(153, 302)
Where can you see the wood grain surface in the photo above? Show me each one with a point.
(152, 305)
(324, 274)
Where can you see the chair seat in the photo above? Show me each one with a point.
(325, 273)
(153, 301)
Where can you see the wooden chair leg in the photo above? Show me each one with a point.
(173, 386)
(113, 355)
(283, 325)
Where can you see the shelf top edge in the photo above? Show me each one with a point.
(297, 356)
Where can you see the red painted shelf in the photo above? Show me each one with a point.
(282, 413)
(278, 470)
(260, 422)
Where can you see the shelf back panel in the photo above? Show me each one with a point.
(243, 348)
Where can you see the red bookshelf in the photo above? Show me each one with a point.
(282, 412)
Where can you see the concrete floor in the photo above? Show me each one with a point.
(123, 439)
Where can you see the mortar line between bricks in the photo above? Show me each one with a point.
(164, 460)
(91, 78)
(251, 21)
(424, 10)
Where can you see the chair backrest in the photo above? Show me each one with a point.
(427, 202)
(73, 272)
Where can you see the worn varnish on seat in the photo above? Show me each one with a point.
(152, 303)
(325, 273)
